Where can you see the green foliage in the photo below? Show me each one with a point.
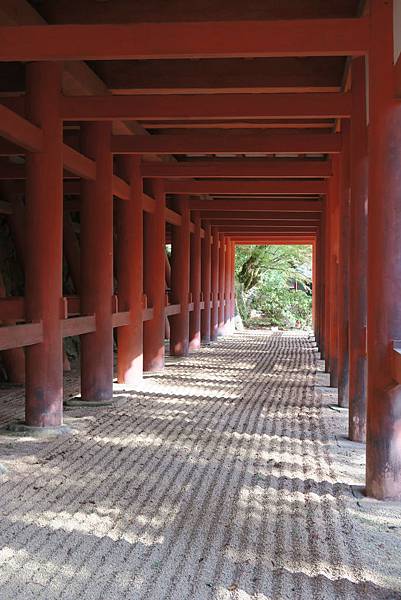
(275, 281)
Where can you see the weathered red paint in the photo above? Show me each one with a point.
(383, 435)
(154, 280)
(130, 276)
(358, 256)
(180, 270)
(43, 245)
(97, 266)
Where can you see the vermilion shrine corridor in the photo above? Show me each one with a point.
(148, 449)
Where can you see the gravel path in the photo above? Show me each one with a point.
(225, 477)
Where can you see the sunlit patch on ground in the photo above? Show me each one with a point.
(225, 477)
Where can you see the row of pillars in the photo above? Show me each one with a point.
(202, 266)
(358, 316)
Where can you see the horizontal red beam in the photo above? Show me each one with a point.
(269, 241)
(241, 168)
(220, 223)
(78, 164)
(17, 130)
(225, 39)
(172, 309)
(18, 336)
(78, 325)
(324, 105)
(252, 229)
(260, 216)
(220, 143)
(268, 187)
(261, 204)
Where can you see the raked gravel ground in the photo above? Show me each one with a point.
(226, 477)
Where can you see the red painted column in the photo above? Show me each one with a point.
(358, 255)
(334, 228)
(195, 315)
(222, 269)
(43, 248)
(322, 276)
(214, 323)
(232, 313)
(130, 275)
(206, 273)
(383, 436)
(314, 286)
(327, 285)
(72, 251)
(154, 280)
(343, 282)
(180, 272)
(97, 266)
(227, 286)
(168, 287)
(318, 283)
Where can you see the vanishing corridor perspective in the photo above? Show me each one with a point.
(225, 476)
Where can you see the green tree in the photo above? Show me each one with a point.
(276, 282)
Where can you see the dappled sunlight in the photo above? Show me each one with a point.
(223, 477)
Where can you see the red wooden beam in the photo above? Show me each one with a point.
(225, 39)
(317, 143)
(78, 164)
(213, 76)
(18, 336)
(19, 131)
(261, 204)
(268, 187)
(242, 168)
(221, 223)
(260, 216)
(268, 241)
(78, 325)
(216, 106)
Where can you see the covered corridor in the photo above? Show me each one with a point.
(148, 451)
(227, 476)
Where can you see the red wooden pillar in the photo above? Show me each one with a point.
(383, 436)
(232, 311)
(318, 282)
(168, 287)
(314, 286)
(97, 266)
(334, 231)
(206, 272)
(222, 269)
(227, 286)
(154, 280)
(327, 282)
(43, 245)
(130, 276)
(322, 275)
(72, 251)
(195, 314)
(343, 281)
(214, 323)
(358, 255)
(180, 272)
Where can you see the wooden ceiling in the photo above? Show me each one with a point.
(206, 86)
